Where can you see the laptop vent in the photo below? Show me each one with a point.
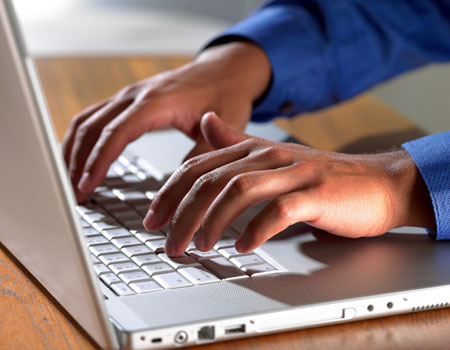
(429, 307)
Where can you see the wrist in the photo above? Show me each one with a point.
(244, 68)
(411, 200)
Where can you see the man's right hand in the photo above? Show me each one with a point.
(226, 79)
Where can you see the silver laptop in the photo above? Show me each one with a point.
(114, 278)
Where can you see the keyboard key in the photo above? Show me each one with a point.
(116, 233)
(149, 236)
(113, 258)
(225, 243)
(123, 161)
(123, 267)
(151, 194)
(126, 215)
(90, 231)
(121, 289)
(154, 269)
(131, 179)
(105, 225)
(104, 197)
(117, 207)
(198, 275)
(142, 208)
(134, 225)
(94, 259)
(171, 280)
(146, 259)
(157, 246)
(144, 287)
(84, 224)
(96, 216)
(125, 241)
(110, 278)
(230, 252)
(142, 175)
(101, 249)
(101, 189)
(261, 269)
(199, 255)
(101, 268)
(87, 208)
(93, 240)
(227, 240)
(134, 276)
(119, 169)
(114, 182)
(179, 262)
(247, 260)
(131, 196)
(136, 250)
(222, 268)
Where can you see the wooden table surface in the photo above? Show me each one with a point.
(31, 319)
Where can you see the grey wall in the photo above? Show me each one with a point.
(423, 96)
(229, 10)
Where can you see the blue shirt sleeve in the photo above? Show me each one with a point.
(326, 51)
(432, 156)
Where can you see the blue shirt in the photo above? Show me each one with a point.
(326, 51)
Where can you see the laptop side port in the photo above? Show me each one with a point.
(237, 329)
(156, 340)
(206, 333)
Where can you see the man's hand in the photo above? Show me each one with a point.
(226, 78)
(348, 195)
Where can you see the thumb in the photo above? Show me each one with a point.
(218, 133)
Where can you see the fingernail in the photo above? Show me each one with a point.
(84, 182)
(200, 242)
(149, 220)
(170, 248)
(241, 246)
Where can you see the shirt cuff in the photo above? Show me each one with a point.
(432, 157)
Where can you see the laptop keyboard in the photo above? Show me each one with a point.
(131, 260)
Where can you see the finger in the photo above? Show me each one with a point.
(201, 147)
(218, 133)
(134, 121)
(190, 213)
(178, 185)
(280, 213)
(76, 122)
(86, 137)
(245, 191)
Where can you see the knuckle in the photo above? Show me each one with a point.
(127, 90)
(77, 121)
(274, 152)
(240, 184)
(84, 130)
(281, 209)
(205, 181)
(190, 164)
(113, 130)
(252, 142)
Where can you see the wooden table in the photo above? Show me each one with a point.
(31, 319)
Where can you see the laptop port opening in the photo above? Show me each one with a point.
(236, 329)
(156, 340)
(206, 333)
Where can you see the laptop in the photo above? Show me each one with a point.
(113, 278)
